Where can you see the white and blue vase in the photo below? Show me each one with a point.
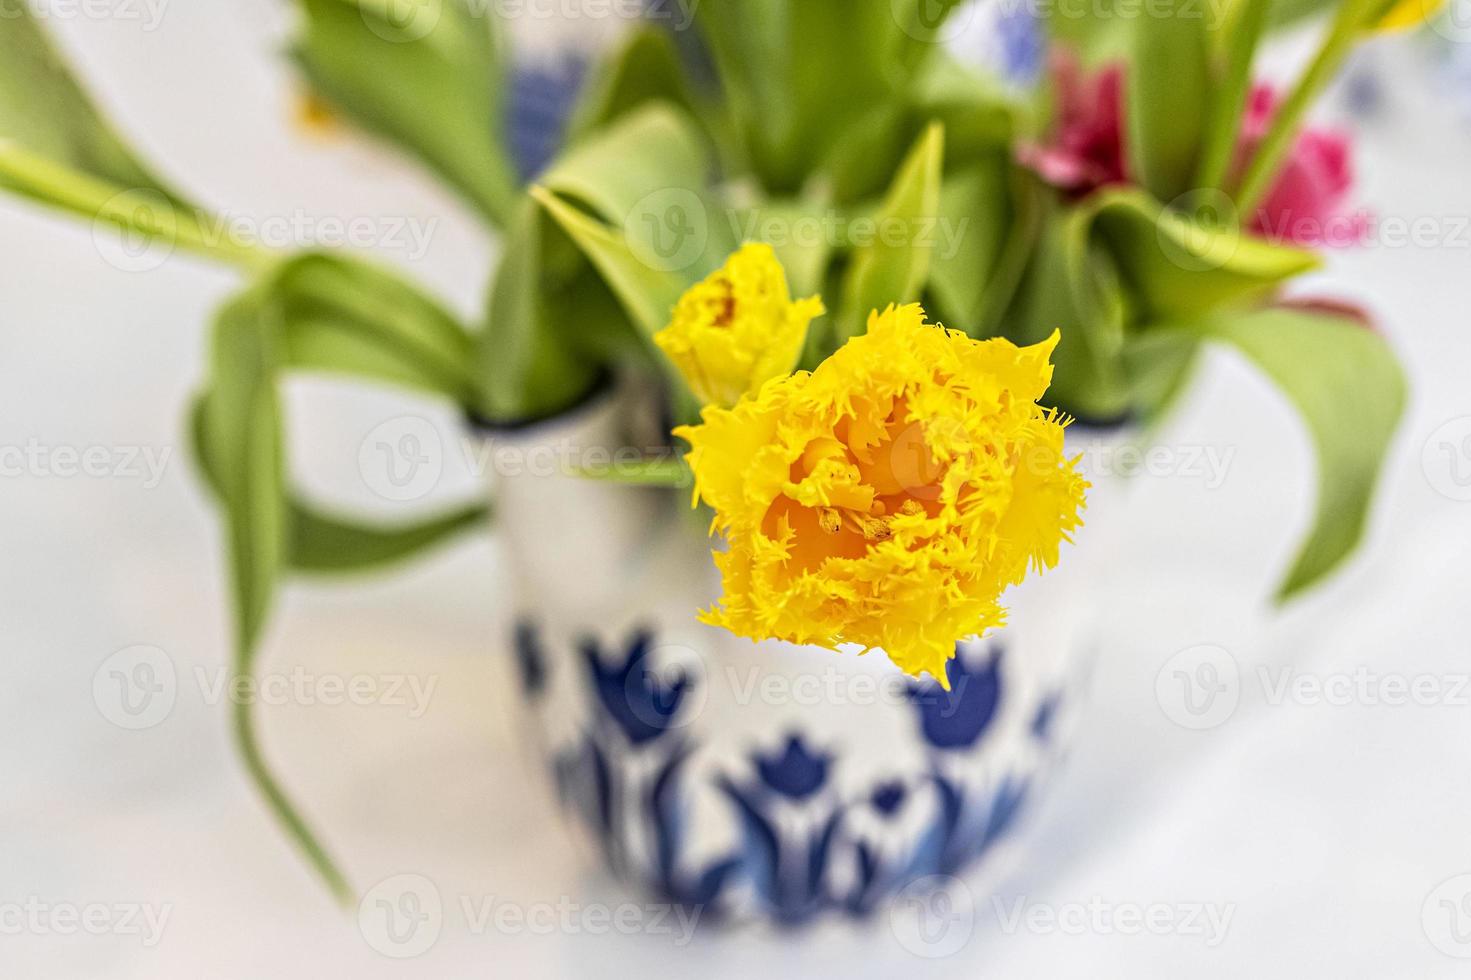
(765, 781)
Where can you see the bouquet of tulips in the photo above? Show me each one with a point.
(1081, 244)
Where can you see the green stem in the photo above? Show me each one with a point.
(281, 807)
(644, 473)
(141, 210)
(1248, 21)
(1262, 169)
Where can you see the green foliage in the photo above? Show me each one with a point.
(894, 265)
(431, 82)
(1072, 284)
(978, 213)
(1236, 43)
(646, 233)
(1168, 95)
(1350, 393)
(799, 78)
(312, 313)
(645, 69)
(530, 365)
(57, 150)
(1184, 264)
(44, 111)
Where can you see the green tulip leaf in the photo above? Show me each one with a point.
(801, 232)
(1347, 387)
(58, 150)
(1168, 95)
(800, 77)
(1239, 39)
(895, 264)
(642, 473)
(327, 544)
(646, 291)
(975, 222)
(1186, 264)
(647, 176)
(645, 68)
(44, 110)
(1159, 365)
(314, 313)
(426, 75)
(534, 358)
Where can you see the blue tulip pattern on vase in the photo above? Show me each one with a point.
(801, 839)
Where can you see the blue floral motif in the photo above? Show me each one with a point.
(641, 704)
(1045, 716)
(888, 797)
(531, 659)
(797, 773)
(957, 718)
(1005, 806)
(797, 833)
(788, 868)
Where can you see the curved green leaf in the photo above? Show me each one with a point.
(648, 293)
(242, 426)
(349, 317)
(646, 68)
(1071, 285)
(58, 150)
(648, 176)
(1346, 385)
(326, 544)
(321, 543)
(799, 76)
(894, 266)
(313, 312)
(427, 75)
(1168, 95)
(1239, 39)
(44, 110)
(976, 209)
(1178, 266)
(530, 365)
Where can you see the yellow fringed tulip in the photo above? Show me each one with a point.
(738, 328)
(889, 497)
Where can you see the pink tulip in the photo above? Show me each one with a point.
(1086, 151)
(1306, 202)
(1087, 148)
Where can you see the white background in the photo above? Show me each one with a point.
(1323, 829)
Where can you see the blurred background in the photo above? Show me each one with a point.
(1314, 819)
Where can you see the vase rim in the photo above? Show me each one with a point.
(601, 390)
